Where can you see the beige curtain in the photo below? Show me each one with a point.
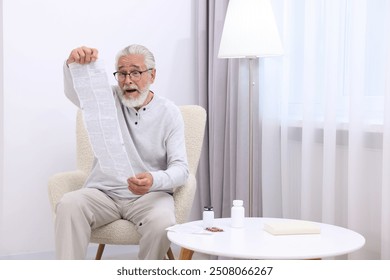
(223, 91)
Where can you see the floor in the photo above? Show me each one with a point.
(130, 253)
(111, 252)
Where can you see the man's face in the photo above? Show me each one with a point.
(133, 88)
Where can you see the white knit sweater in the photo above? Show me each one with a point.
(154, 140)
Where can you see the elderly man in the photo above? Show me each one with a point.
(153, 131)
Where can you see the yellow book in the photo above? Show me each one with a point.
(292, 227)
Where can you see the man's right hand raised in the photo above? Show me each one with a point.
(82, 55)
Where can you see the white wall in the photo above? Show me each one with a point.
(39, 121)
(1, 123)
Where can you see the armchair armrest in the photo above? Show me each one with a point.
(183, 197)
(64, 182)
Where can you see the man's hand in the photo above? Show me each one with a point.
(141, 183)
(82, 55)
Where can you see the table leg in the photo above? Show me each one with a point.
(185, 254)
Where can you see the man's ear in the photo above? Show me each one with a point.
(153, 74)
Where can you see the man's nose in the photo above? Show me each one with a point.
(128, 80)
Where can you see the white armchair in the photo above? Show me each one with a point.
(123, 232)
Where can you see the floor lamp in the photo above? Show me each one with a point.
(250, 32)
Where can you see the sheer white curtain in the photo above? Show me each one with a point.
(325, 118)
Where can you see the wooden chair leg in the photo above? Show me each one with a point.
(170, 254)
(99, 252)
(186, 254)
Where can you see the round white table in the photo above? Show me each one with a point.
(253, 242)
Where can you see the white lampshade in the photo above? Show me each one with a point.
(250, 30)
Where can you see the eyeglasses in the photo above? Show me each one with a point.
(134, 75)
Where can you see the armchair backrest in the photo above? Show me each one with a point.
(84, 151)
(194, 126)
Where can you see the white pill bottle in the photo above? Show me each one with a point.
(238, 214)
(208, 217)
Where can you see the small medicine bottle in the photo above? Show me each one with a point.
(238, 214)
(208, 216)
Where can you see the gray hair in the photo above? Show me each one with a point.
(137, 49)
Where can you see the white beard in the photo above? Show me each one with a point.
(134, 102)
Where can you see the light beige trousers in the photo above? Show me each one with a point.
(80, 211)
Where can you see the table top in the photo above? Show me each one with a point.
(252, 242)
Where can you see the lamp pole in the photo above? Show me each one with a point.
(251, 86)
